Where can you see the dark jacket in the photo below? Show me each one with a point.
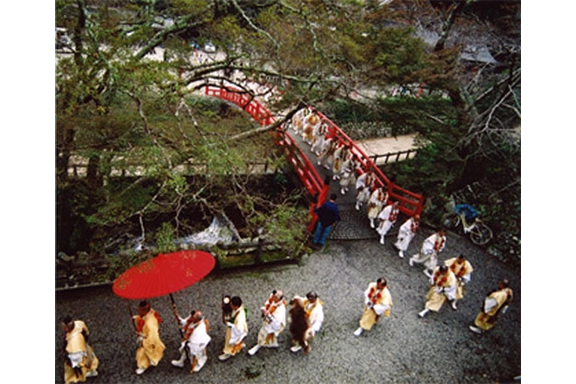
(327, 213)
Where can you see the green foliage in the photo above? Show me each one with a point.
(118, 108)
(124, 201)
(165, 238)
(118, 264)
(203, 102)
(188, 7)
(252, 372)
(220, 256)
(398, 55)
(403, 115)
(285, 224)
(344, 111)
(424, 172)
(280, 179)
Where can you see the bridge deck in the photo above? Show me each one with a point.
(354, 224)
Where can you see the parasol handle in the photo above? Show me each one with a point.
(131, 315)
(175, 311)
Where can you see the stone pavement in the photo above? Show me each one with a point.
(354, 225)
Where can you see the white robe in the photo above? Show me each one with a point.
(239, 329)
(316, 317)
(277, 321)
(363, 196)
(405, 235)
(449, 291)
(385, 223)
(326, 157)
(348, 173)
(428, 255)
(316, 313)
(319, 131)
(320, 144)
(340, 156)
(274, 324)
(199, 338)
(361, 181)
(374, 210)
(298, 120)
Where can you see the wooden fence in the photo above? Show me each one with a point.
(393, 157)
(78, 167)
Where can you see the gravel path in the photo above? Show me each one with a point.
(400, 349)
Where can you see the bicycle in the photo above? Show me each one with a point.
(479, 233)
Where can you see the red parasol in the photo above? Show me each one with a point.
(164, 274)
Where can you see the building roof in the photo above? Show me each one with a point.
(479, 53)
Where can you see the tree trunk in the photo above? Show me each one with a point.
(93, 176)
(63, 151)
(78, 28)
(62, 158)
(455, 9)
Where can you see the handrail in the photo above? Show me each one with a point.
(407, 205)
(239, 97)
(397, 155)
(410, 203)
(304, 168)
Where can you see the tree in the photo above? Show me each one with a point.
(480, 145)
(471, 137)
(114, 102)
(112, 98)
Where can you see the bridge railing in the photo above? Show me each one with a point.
(239, 97)
(302, 165)
(410, 203)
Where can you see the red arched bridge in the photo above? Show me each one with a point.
(317, 186)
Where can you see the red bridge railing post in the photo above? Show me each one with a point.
(320, 199)
(410, 202)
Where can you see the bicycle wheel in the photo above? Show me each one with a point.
(453, 221)
(480, 234)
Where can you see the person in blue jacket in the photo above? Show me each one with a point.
(328, 216)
